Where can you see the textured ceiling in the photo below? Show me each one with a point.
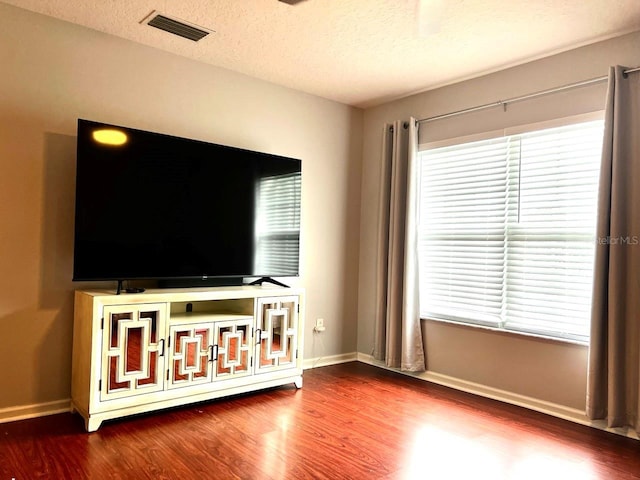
(360, 52)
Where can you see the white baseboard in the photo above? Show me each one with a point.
(330, 360)
(542, 406)
(22, 412)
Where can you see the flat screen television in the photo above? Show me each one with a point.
(155, 206)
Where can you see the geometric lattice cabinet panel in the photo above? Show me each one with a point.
(132, 350)
(190, 354)
(276, 333)
(233, 348)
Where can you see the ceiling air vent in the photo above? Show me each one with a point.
(177, 27)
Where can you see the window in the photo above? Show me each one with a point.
(278, 224)
(507, 230)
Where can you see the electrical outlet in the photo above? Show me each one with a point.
(319, 326)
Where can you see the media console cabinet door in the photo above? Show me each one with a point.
(277, 333)
(133, 347)
(190, 354)
(233, 348)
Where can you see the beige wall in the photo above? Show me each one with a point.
(546, 370)
(53, 73)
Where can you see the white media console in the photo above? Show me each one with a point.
(135, 353)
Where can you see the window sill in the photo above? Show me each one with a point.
(509, 332)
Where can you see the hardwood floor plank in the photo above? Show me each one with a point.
(350, 421)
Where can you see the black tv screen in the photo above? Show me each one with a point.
(154, 206)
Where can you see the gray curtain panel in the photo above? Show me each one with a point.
(398, 332)
(614, 354)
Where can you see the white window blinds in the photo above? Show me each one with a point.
(462, 219)
(507, 230)
(278, 224)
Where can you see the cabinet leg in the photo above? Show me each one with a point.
(298, 382)
(92, 424)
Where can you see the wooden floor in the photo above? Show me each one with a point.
(349, 421)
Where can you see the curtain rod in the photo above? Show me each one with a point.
(504, 103)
